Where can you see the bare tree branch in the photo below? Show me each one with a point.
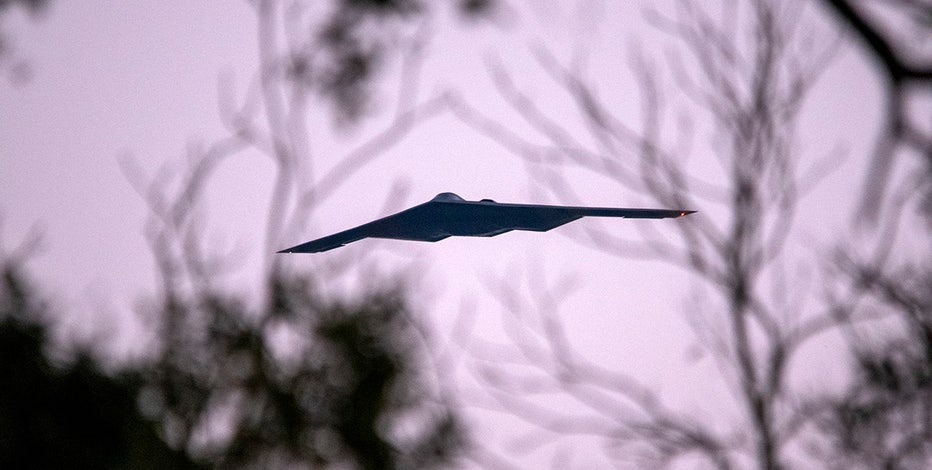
(753, 93)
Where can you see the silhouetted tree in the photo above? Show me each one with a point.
(748, 74)
(884, 420)
(253, 408)
(64, 413)
(894, 35)
(287, 375)
(348, 386)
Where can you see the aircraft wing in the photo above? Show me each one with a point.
(447, 215)
(416, 223)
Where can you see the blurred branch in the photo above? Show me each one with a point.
(618, 407)
(903, 75)
(19, 69)
(895, 66)
(377, 145)
(753, 94)
(284, 375)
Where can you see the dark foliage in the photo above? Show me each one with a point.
(338, 394)
(354, 43)
(350, 397)
(884, 420)
(64, 416)
(476, 7)
(281, 375)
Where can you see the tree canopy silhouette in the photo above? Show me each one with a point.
(65, 413)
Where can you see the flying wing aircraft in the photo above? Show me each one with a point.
(448, 214)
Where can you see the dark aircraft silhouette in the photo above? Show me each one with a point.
(448, 214)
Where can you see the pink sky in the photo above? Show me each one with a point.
(140, 78)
